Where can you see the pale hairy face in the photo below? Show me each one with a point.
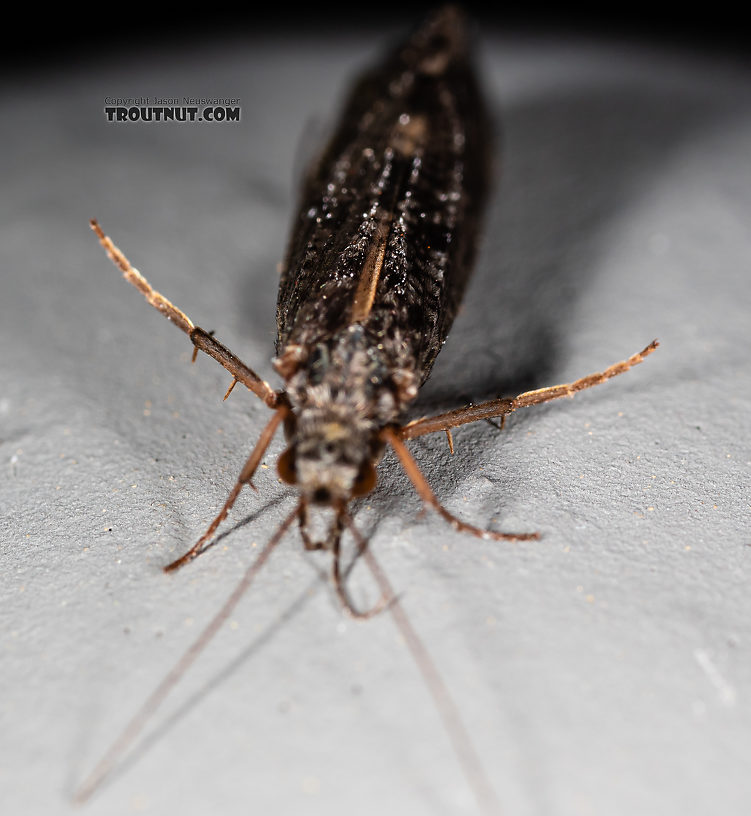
(329, 461)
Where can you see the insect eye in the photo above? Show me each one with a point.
(286, 466)
(366, 480)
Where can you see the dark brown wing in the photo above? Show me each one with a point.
(388, 220)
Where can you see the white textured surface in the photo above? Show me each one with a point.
(602, 670)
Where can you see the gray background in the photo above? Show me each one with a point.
(602, 670)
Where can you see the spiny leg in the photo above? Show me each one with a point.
(110, 760)
(571, 389)
(394, 438)
(457, 417)
(201, 339)
(503, 407)
(244, 478)
(450, 440)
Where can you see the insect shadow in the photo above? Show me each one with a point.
(570, 164)
(257, 513)
(152, 738)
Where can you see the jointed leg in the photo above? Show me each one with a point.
(245, 476)
(394, 438)
(459, 416)
(201, 339)
(571, 389)
(503, 407)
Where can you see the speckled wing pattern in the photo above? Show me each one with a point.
(388, 219)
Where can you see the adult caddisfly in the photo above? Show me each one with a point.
(379, 256)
